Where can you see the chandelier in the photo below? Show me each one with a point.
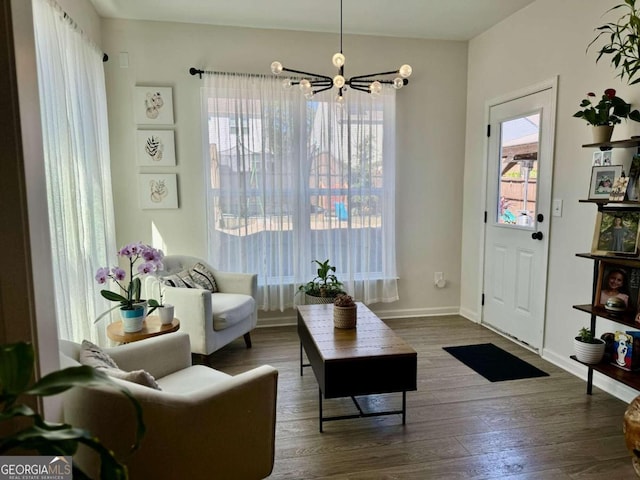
(313, 83)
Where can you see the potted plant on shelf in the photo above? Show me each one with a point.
(588, 349)
(623, 43)
(324, 287)
(23, 429)
(605, 114)
(131, 309)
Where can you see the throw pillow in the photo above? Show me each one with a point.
(203, 277)
(181, 279)
(93, 356)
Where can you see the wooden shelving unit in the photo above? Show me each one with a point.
(631, 379)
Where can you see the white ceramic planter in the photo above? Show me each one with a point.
(166, 314)
(602, 133)
(589, 353)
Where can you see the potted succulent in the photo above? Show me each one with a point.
(605, 114)
(588, 349)
(623, 42)
(24, 430)
(345, 312)
(132, 308)
(324, 287)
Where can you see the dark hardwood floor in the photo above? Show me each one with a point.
(459, 425)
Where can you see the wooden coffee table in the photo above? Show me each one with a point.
(151, 327)
(369, 359)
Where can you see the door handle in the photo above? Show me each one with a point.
(537, 235)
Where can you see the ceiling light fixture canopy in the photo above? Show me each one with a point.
(313, 83)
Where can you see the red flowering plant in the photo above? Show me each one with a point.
(608, 111)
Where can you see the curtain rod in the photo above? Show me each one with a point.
(75, 26)
(196, 71)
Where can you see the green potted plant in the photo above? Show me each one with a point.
(29, 432)
(588, 348)
(623, 41)
(324, 287)
(605, 114)
(165, 310)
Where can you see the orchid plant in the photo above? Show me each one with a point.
(143, 259)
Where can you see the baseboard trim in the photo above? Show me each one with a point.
(289, 317)
(470, 315)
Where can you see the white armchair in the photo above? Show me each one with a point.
(212, 320)
(203, 424)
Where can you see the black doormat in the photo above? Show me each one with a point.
(493, 363)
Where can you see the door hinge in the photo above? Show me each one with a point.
(483, 299)
(485, 216)
(488, 130)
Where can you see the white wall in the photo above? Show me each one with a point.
(547, 38)
(431, 120)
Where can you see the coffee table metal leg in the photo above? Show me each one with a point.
(320, 407)
(404, 407)
(301, 359)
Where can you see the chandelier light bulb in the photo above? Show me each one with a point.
(405, 71)
(338, 81)
(305, 85)
(375, 88)
(276, 68)
(308, 95)
(287, 84)
(338, 60)
(398, 83)
(340, 100)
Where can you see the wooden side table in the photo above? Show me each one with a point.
(151, 327)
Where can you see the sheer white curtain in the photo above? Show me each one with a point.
(76, 150)
(290, 181)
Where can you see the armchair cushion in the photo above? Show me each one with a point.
(93, 356)
(230, 308)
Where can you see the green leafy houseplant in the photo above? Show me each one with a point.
(622, 42)
(47, 438)
(325, 283)
(586, 336)
(608, 111)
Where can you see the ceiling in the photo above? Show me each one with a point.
(435, 19)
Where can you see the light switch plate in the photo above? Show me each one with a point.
(557, 208)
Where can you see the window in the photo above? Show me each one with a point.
(291, 180)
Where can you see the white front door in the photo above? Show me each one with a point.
(518, 204)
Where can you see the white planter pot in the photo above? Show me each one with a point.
(602, 133)
(589, 353)
(132, 319)
(166, 314)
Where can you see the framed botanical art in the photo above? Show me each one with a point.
(616, 232)
(158, 190)
(602, 179)
(153, 105)
(155, 148)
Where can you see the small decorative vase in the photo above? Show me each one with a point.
(166, 314)
(345, 317)
(132, 319)
(589, 353)
(602, 133)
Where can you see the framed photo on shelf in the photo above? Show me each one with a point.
(616, 232)
(619, 190)
(633, 189)
(619, 280)
(153, 105)
(597, 159)
(606, 158)
(602, 179)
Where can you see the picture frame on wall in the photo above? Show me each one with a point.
(153, 105)
(616, 232)
(602, 178)
(158, 190)
(155, 148)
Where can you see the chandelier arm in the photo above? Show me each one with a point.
(368, 81)
(306, 73)
(323, 89)
(358, 77)
(359, 88)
